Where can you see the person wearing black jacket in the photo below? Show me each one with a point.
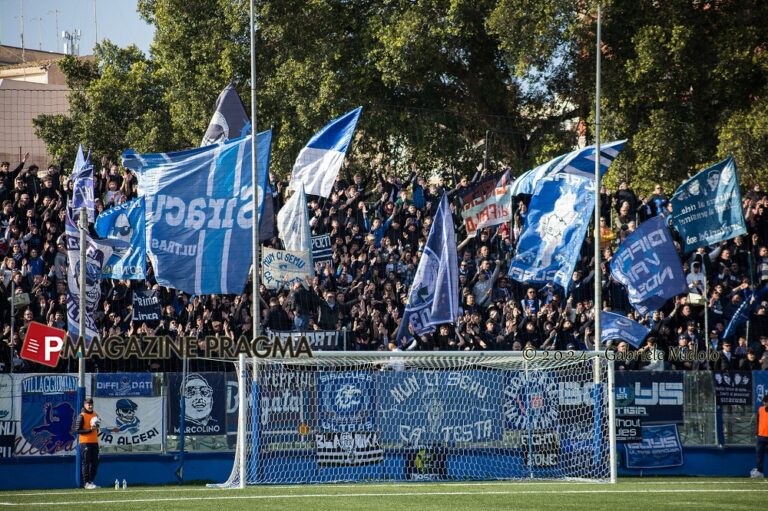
(277, 319)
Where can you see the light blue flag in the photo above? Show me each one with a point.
(434, 295)
(199, 217)
(647, 264)
(616, 326)
(707, 208)
(554, 230)
(82, 177)
(580, 162)
(125, 222)
(319, 161)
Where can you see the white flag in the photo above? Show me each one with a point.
(293, 225)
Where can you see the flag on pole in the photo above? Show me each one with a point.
(82, 177)
(616, 326)
(199, 218)
(229, 120)
(707, 208)
(434, 295)
(319, 161)
(293, 226)
(740, 317)
(647, 264)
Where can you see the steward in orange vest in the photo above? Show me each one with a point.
(762, 438)
(88, 431)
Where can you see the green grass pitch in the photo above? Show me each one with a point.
(639, 493)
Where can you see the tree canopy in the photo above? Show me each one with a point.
(437, 79)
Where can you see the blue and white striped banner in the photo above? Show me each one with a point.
(200, 213)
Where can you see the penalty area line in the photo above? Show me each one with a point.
(380, 494)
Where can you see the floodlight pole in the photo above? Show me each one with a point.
(242, 376)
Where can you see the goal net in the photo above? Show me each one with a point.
(456, 416)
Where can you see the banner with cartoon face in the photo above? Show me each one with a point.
(130, 421)
(205, 400)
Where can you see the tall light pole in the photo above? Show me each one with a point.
(598, 274)
(55, 13)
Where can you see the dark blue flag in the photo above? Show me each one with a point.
(616, 326)
(229, 120)
(554, 230)
(707, 208)
(740, 317)
(434, 295)
(647, 264)
(82, 178)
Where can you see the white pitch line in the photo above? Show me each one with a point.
(368, 495)
(545, 484)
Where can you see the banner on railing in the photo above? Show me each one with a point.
(204, 404)
(124, 385)
(660, 447)
(131, 421)
(733, 387)
(48, 414)
(655, 397)
(321, 340)
(759, 386)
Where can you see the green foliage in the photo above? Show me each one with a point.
(686, 82)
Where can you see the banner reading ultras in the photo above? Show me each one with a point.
(150, 347)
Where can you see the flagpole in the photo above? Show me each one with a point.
(242, 415)
(598, 275)
(83, 221)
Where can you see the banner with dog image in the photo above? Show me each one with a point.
(131, 421)
(48, 414)
(204, 408)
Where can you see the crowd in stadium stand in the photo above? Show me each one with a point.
(378, 225)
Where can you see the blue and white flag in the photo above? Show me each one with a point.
(229, 120)
(554, 230)
(199, 219)
(125, 222)
(740, 317)
(319, 162)
(293, 223)
(647, 264)
(616, 326)
(97, 253)
(82, 177)
(434, 295)
(580, 162)
(707, 208)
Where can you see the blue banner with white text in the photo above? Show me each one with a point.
(647, 264)
(660, 447)
(124, 385)
(199, 216)
(707, 208)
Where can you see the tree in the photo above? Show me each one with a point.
(114, 103)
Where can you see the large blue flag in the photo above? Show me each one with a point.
(707, 208)
(82, 177)
(319, 161)
(616, 326)
(229, 120)
(647, 264)
(554, 230)
(434, 295)
(580, 162)
(200, 205)
(125, 222)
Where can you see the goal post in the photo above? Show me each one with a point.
(419, 416)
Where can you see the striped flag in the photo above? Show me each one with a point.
(319, 161)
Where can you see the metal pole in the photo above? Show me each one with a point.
(83, 225)
(485, 151)
(598, 275)
(95, 24)
(706, 308)
(21, 35)
(242, 413)
(13, 320)
(612, 419)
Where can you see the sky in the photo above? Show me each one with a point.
(116, 20)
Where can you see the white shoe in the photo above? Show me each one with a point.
(90, 486)
(756, 474)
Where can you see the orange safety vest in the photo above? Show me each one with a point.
(93, 436)
(762, 421)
